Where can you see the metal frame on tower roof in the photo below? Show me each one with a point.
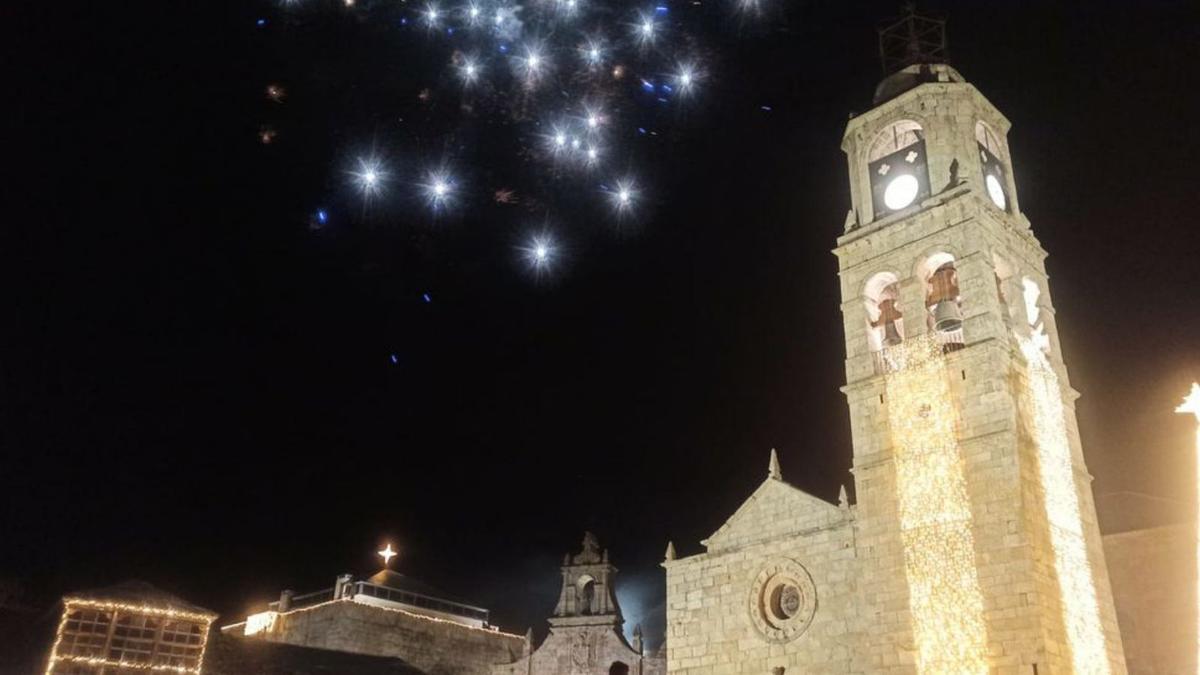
(912, 40)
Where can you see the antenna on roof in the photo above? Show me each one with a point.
(912, 40)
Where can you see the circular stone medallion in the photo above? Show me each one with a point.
(783, 600)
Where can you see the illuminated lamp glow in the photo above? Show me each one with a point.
(263, 622)
(996, 192)
(1191, 404)
(901, 191)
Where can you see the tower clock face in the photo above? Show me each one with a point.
(996, 192)
(993, 178)
(990, 151)
(898, 168)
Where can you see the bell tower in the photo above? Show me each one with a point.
(587, 597)
(977, 531)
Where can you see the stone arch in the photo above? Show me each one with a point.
(585, 594)
(881, 300)
(618, 668)
(986, 136)
(892, 136)
(943, 300)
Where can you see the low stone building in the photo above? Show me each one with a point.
(1153, 574)
(586, 630)
(388, 615)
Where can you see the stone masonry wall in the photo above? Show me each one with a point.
(583, 650)
(435, 647)
(709, 626)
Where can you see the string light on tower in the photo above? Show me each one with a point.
(1043, 401)
(935, 512)
(1191, 404)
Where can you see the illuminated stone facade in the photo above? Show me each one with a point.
(973, 545)
(388, 615)
(585, 631)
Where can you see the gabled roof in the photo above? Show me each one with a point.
(775, 509)
(403, 582)
(140, 593)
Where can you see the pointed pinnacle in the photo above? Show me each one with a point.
(843, 500)
(773, 468)
(670, 555)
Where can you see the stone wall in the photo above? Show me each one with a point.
(1153, 574)
(584, 650)
(433, 646)
(711, 599)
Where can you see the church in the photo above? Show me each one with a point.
(973, 546)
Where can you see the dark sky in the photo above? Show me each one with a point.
(198, 389)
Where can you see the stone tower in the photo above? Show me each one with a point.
(976, 531)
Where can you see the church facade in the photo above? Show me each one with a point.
(585, 631)
(973, 545)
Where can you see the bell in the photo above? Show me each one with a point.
(891, 336)
(889, 314)
(947, 317)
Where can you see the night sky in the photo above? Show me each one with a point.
(203, 390)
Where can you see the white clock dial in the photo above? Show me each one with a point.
(995, 191)
(901, 191)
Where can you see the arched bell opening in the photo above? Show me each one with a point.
(943, 302)
(585, 593)
(885, 321)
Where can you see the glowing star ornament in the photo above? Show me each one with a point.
(1191, 404)
(387, 553)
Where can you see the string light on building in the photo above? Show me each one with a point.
(934, 512)
(152, 638)
(1081, 609)
(1191, 404)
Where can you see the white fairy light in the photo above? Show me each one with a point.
(540, 252)
(439, 189)
(934, 512)
(624, 195)
(645, 29)
(432, 14)
(1043, 400)
(370, 176)
(468, 70)
(685, 78)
